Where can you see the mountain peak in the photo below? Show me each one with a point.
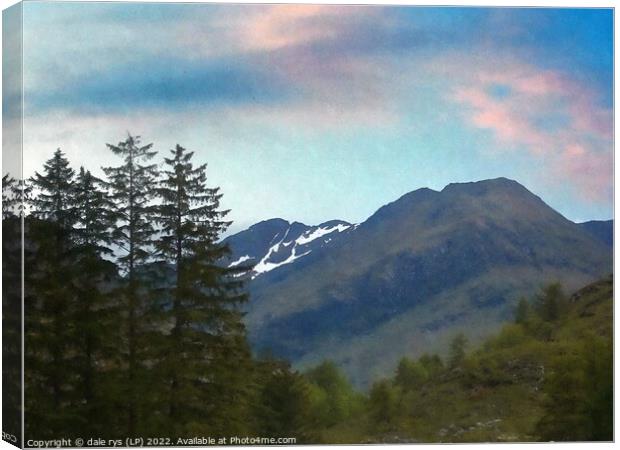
(269, 223)
(484, 186)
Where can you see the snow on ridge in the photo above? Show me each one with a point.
(303, 239)
(265, 266)
(239, 261)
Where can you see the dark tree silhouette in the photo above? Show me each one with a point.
(48, 301)
(205, 352)
(131, 186)
(95, 312)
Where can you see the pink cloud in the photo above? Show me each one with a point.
(278, 26)
(590, 168)
(498, 116)
(548, 115)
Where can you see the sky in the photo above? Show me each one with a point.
(321, 112)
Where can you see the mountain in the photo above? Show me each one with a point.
(405, 281)
(603, 230)
(274, 243)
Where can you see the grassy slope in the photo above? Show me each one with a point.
(428, 328)
(496, 394)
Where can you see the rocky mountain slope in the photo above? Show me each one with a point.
(603, 230)
(403, 282)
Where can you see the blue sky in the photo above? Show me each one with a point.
(317, 112)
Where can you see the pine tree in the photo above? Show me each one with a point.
(15, 196)
(94, 313)
(9, 200)
(206, 353)
(54, 199)
(284, 407)
(131, 187)
(50, 398)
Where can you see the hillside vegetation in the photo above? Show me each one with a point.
(546, 376)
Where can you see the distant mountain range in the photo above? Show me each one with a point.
(603, 230)
(411, 276)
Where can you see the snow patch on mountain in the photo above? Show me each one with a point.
(309, 237)
(265, 266)
(275, 243)
(240, 260)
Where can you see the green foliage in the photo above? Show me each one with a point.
(410, 375)
(333, 395)
(550, 302)
(522, 312)
(579, 393)
(283, 408)
(510, 336)
(539, 379)
(383, 405)
(457, 350)
(431, 363)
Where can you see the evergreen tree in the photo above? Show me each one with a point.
(49, 345)
(206, 353)
(15, 195)
(9, 199)
(54, 197)
(284, 406)
(94, 313)
(131, 186)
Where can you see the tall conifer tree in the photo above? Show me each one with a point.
(95, 315)
(206, 353)
(49, 344)
(131, 186)
(54, 192)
